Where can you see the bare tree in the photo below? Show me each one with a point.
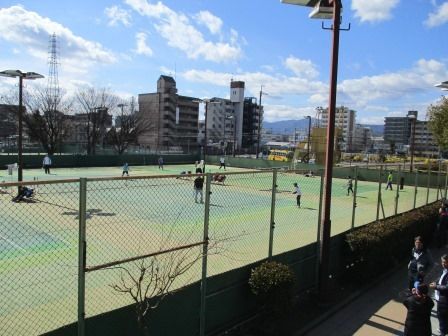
(149, 281)
(95, 104)
(45, 117)
(128, 126)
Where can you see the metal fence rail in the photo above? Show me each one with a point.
(63, 250)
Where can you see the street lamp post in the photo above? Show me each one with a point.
(22, 76)
(327, 9)
(413, 120)
(309, 136)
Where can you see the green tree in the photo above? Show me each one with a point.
(438, 121)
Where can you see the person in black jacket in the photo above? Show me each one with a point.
(418, 317)
(198, 186)
(441, 296)
(420, 262)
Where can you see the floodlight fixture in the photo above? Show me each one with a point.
(322, 9)
(442, 85)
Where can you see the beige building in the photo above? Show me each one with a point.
(345, 121)
(170, 121)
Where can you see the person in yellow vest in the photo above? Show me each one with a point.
(389, 181)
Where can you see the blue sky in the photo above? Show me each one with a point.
(389, 61)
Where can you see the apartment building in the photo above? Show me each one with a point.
(362, 139)
(169, 120)
(397, 130)
(345, 121)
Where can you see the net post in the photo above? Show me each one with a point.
(204, 255)
(82, 256)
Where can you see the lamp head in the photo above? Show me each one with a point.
(10, 73)
(307, 3)
(18, 73)
(323, 9)
(442, 85)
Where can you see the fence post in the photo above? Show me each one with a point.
(319, 219)
(354, 198)
(272, 221)
(429, 179)
(446, 180)
(415, 187)
(439, 191)
(204, 255)
(379, 193)
(82, 256)
(397, 195)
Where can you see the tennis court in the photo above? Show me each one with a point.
(127, 217)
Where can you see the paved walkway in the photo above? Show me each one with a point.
(379, 311)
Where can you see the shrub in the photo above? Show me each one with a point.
(273, 283)
(387, 242)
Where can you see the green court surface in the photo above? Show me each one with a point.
(136, 216)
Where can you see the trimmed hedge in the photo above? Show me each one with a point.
(379, 246)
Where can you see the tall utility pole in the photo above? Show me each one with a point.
(260, 109)
(309, 136)
(53, 90)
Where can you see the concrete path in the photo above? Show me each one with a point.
(379, 311)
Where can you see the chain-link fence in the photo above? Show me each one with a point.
(77, 248)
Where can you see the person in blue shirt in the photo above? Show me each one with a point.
(125, 169)
(160, 162)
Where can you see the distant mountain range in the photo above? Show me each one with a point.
(288, 126)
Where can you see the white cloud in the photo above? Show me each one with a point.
(378, 95)
(286, 112)
(30, 31)
(212, 22)
(439, 17)
(275, 85)
(394, 85)
(118, 15)
(301, 68)
(180, 33)
(373, 10)
(142, 47)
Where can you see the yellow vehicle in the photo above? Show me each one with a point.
(282, 155)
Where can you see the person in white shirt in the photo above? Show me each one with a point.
(222, 162)
(441, 296)
(46, 164)
(298, 192)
